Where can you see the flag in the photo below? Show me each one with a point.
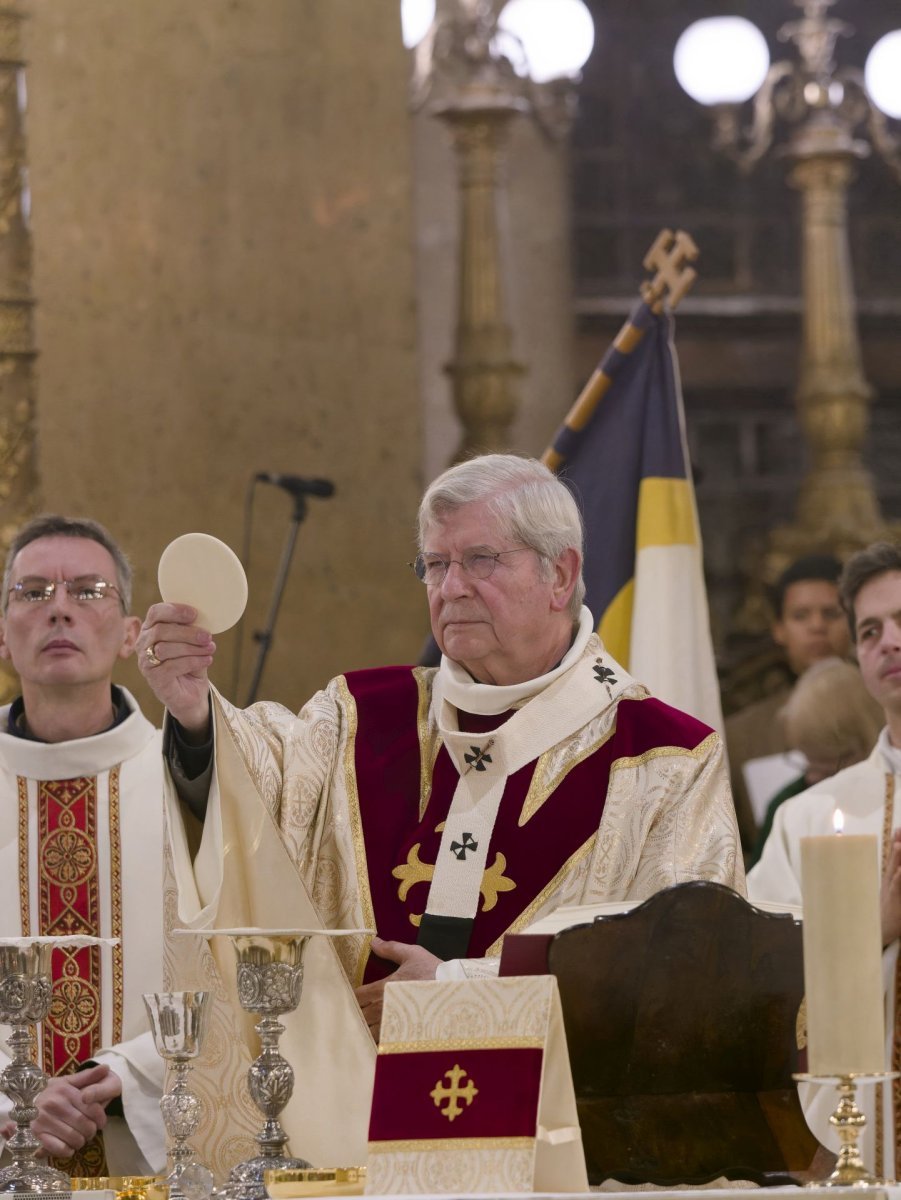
(626, 461)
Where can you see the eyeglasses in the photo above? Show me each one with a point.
(83, 590)
(432, 569)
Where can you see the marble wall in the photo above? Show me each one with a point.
(223, 267)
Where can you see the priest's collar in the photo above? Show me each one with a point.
(17, 724)
(460, 689)
(890, 752)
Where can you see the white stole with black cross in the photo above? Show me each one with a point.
(554, 707)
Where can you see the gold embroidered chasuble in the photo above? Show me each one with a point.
(283, 845)
(81, 851)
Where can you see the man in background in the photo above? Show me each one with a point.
(870, 799)
(809, 625)
(81, 834)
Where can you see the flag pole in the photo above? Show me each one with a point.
(668, 257)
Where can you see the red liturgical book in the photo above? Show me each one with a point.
(525, 954)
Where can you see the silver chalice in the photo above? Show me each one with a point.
(178, 1021)
(270, 978)
(25, 995)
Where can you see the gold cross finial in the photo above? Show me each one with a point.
(668, 258)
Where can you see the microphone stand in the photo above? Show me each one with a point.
(263, 637)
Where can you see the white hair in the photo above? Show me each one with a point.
(531, 503)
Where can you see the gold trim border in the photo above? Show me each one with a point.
(413, 1146)
(115, 856)
(455, 1044)
(429, 748)
(24, 883)
(888, 1090)
(356, 823)
(700, 751)
(528, 914)
(541, 788)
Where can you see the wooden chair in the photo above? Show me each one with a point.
(681, 1023)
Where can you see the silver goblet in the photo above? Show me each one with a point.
(270, 977)
(178, 1021)
(25, 995)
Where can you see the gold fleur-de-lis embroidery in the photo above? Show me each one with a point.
(415, 871)
(493, 881)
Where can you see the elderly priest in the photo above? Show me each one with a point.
(442, 808)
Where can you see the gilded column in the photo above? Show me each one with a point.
(837, 498)
(18, 468)
(483, 369)
(465, 80)
(837, 505)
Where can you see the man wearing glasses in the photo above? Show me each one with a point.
(81, 831)
(445, 808)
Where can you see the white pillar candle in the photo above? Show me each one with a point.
(842, 954)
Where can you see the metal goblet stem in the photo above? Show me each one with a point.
(848, 1121)
(25, 995)
(270, 978)
(178, 1021)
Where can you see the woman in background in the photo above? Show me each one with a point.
(833, 721)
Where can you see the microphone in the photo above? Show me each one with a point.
(296, 485)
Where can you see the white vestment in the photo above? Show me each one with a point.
(283, 845)
(122, 866)
(868, 796)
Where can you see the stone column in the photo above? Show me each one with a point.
(832, 393)
(483, 369)
(837, 505)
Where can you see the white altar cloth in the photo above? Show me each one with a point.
(888, 1192)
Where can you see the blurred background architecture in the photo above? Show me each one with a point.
(266, 235)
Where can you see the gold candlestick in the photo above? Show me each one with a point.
(848, 1122)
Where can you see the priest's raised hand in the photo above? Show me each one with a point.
(174, 655)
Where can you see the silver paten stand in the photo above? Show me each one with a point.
(25, 995)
